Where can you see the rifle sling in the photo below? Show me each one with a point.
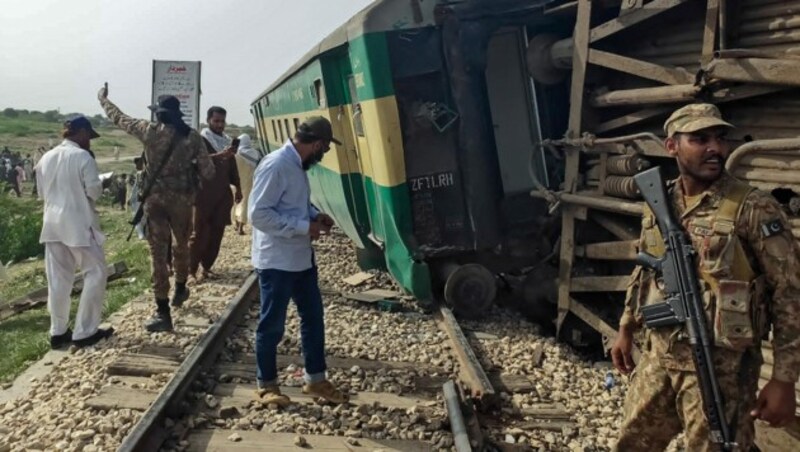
(151, 180)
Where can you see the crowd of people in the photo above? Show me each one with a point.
(16, 169)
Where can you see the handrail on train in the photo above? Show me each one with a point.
(774, 145)
(588, 140)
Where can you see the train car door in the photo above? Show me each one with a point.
(362, 153)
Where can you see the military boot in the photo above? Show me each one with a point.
(162, 321)
(181, 294)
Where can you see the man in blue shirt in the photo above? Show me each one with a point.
(284, 224)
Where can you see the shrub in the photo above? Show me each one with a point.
(20, 225)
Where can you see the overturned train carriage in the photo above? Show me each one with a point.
(489, 145)
(427, 183)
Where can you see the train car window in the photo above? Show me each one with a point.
(358, 120)
(319, 93)
(288, 132)
(274, 131)
(296, 124)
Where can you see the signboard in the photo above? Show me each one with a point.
(182, 80)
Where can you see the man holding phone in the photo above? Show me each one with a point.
(212, 211)
(284, 225)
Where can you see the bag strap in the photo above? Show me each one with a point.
(151, 180)
(731, 205)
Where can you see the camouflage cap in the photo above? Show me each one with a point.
(694, 117)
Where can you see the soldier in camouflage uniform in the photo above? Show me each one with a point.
(749, 269)
(168, 208)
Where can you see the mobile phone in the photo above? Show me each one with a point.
(235, 143)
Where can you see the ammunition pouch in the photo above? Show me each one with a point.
(733, 319)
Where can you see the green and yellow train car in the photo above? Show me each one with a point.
(425, 184)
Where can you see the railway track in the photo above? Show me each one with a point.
(417, 381)
(395, 405)
(208, 403)
(225, 377)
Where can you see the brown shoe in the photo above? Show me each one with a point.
(325, 390)
(272, 394)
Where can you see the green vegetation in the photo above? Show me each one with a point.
(20, 224)
(25, 337)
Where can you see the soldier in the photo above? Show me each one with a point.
(168, 208)
(749, 268)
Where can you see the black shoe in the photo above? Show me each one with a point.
(61, 341)
(161, 322)
(98, 336)
(181, 295)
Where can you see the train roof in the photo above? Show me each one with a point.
(380, 15)
(350, 29)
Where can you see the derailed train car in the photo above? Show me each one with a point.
(489, 145)
(427, 183)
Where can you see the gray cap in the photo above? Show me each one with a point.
(318, 127)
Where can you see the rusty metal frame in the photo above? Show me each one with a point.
(582, 55)
(651, 71)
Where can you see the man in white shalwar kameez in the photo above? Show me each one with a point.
(69, 185)
(247, 159)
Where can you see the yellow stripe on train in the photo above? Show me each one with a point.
(376, 153)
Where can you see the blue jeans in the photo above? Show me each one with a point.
(277, 287)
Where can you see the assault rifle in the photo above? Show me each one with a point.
(137, 217)
(150, 181)
(684, 301)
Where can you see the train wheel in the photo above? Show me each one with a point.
(470, 289)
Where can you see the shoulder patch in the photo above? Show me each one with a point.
(770, 228)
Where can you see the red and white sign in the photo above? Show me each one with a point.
(182, 80)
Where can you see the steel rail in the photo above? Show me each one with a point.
(148, 434)
(480, 387)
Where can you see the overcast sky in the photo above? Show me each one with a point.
(57, 53)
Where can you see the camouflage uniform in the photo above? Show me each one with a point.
(749, 271)
(168, 209)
